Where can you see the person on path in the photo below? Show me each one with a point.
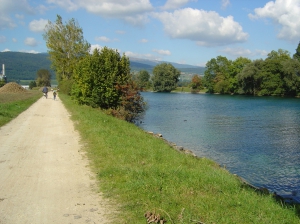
(45, 91)
(54, 95)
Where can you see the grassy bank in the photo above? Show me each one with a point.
(142, 173)
(12, 104)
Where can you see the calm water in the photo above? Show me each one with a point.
(257, 138)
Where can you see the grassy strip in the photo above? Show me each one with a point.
(12, 104)
(143, 173)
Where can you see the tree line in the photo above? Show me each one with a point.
(278, 74)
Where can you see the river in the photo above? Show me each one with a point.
(257, 138)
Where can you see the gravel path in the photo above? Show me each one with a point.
(45, 177)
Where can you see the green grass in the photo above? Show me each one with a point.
(186, 89)
(142, 173)
(12, 104)
(27, 82)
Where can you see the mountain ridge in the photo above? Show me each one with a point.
(24, 66)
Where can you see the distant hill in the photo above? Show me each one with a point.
(138, 64)
(24, 66)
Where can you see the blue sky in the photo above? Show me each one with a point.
(182, 31)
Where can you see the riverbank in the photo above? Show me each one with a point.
(286, 199)
(144, 174)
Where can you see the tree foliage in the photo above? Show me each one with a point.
(2, 82)
(103, 80)
(216, 75)
(165, 77)
(196, 83)
(278, 74)
(43, 78)
(249, 78)
(131, 104)
(297, 54)
(280, 54)
(143, 79)
(32, 84)
(66, 46)
(96, 77)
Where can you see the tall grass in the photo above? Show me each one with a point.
(12, 104)
(142, 173)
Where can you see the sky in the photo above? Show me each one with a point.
(181, 31)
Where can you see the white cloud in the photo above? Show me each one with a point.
(175, 4)
(225, 3)
(120, 32)
(242, 52)
(30, 41)
(143, 41)
(237, 52)
(133, 11)
(42, 9)
(2, 39)
(9, 7)
(38, 25)
(105, 39)
(69, 5)
(117, 8)
(138, 20)
(5, 50)
(14, 40)
(18, 16)
(285, 14)
(206, 28)
(102, 38)
(143, 56)
(263, 53)
(162, 52)
(29, 51)
(95, 46)
(6, 22)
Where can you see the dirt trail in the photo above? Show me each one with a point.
(44, 178)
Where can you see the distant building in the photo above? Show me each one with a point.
(2, 74)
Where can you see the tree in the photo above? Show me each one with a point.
(272, 77)
(32, 84)
(196, 83)
(235, 68)
(217, 71)
(297, 54)
(291, 70)
(249, 79)
(280, 54)
(66, 46)
(43, 78)
(132, 104)
(103, 80)
(165, 77)
(96, 77)
(2, 82)
(143, 79)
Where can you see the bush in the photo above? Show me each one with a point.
(65, 86)
(132, 103)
